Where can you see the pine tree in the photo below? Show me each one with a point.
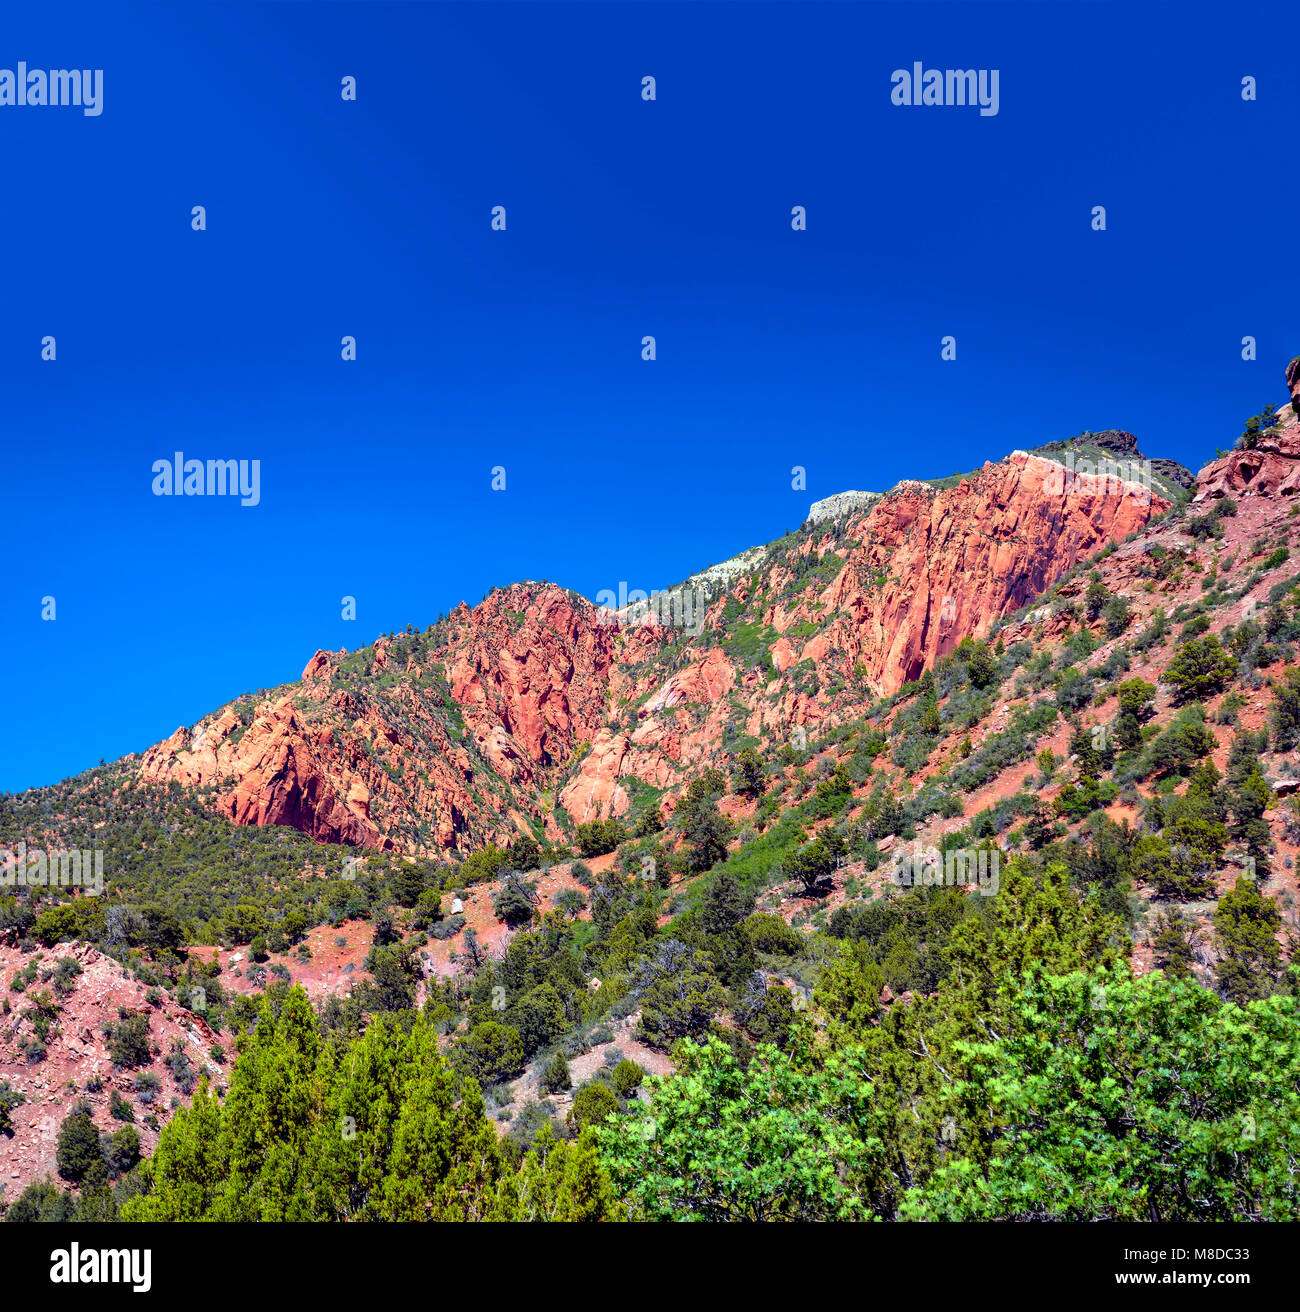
(77, 1150)
(269, 1115)
(1174, 942)
(1249, 801)
(555, 1078)
(1286, 710)
(1247, 924)
(566, 1182)
(748, 776)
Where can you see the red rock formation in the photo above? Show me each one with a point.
(279, 779)
(935, 567)
(530, 670)
(318, 665)
(704, 682)
(422, 745)
(1271, 468)
(539, 673)
(595, 792)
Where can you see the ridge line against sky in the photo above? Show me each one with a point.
(776, 347)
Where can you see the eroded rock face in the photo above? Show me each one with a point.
(1118, 440)
(841, 504)
(528, 673)
(279, 774)
(595, 792)
(679, 727)
(473, 733)
(281, 780)
(539, 673)
(1173, 471)
(938, 566)
(1271, 468)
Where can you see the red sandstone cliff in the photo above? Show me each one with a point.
(1270, 468)
(938, 566)
(446, 740)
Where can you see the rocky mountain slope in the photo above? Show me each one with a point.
(532, 713)
(63, 1015)
(836, 666)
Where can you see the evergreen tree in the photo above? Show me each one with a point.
(555, 1078)
(77, 1150)
(1247, 925)
(1286, 710)
(1135, 707)
(1249, 800)
(1174, 942)
(591, 1105)
(706, 832)
(748, 777)
(566, 1182)
(188, 1169)
(1200, 669)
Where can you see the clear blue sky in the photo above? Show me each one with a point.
(522, 349)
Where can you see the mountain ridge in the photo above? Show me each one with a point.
(481, 717)
(412, 821)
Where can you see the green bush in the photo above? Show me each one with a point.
(121, 1151)
(627, 1078)
(597, 837)
(10, 1098)
(555, 1078)
(147, 1086)
(43, 1200)
(128, 1042)
(513, 905)
(769, 933)
(65, 975)
(1200, 668)
(77, 1150)
(591, 1105)
(1286, 710)
(490, 1052)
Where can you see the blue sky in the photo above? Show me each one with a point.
(522, 349)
